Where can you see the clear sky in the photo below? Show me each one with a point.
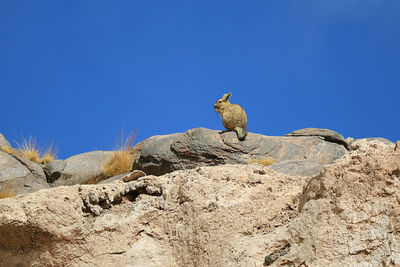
(76, 72)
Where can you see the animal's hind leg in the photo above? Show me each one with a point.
(241, 133)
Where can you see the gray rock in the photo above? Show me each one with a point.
(326, 134)
(20, 176)
(298, 167)
(81, 168)
(3, 141)
(204, 147)
(54, 169)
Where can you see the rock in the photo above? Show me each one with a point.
(19, 175)
(133, 176)
(348, 212)
(298, 167)
(397, 146)
(180, 219)
(4, 142)
(54, 169)
(114, 178)
(82, 168)
(326, 134)
(126, 177)
(380, 139)
(230, 215)
(366, 142)
(203, 147)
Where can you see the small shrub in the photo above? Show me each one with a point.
(122, 159)
(30, 150)
(266, 161)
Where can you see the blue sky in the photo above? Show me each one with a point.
(75, 73)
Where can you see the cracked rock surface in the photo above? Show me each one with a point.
(19, 175)
(204, 147)
(229, 215)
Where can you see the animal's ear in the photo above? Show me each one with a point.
(227, 96)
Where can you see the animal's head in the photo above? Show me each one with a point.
(222, 102)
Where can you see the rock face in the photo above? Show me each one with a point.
(298, 167)
(349, 213)
(81, 168)
(19, 175)
(163, 154)
(230, 215)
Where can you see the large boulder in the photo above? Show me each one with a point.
(80, 169)
(204, 147)
(19, 176)
(230, 215)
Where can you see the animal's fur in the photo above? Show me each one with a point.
(233, 116)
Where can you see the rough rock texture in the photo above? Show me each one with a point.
(3, 141)
(207, 216)
(231, 215)
(203, 147)
(349, 214)
(326, 134)
(126, 177)
(82, 167)
(19, 175)
(381, 139)
(298, 167)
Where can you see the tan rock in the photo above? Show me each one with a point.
(133, 176)
(230, 215)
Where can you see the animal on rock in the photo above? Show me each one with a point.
(233, 116)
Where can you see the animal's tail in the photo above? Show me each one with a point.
(241, 133)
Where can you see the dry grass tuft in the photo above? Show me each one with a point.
(122, 159)
(30, 150)
(266, 161)
(6, 192)
(49, 155)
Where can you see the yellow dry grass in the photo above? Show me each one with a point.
(9, 150)
(266, 161)
(30, 150)
(122, 158)
(48, 155)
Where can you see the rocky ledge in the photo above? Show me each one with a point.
(296, 154)
(228, 215)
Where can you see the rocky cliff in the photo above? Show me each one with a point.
(227, 215)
